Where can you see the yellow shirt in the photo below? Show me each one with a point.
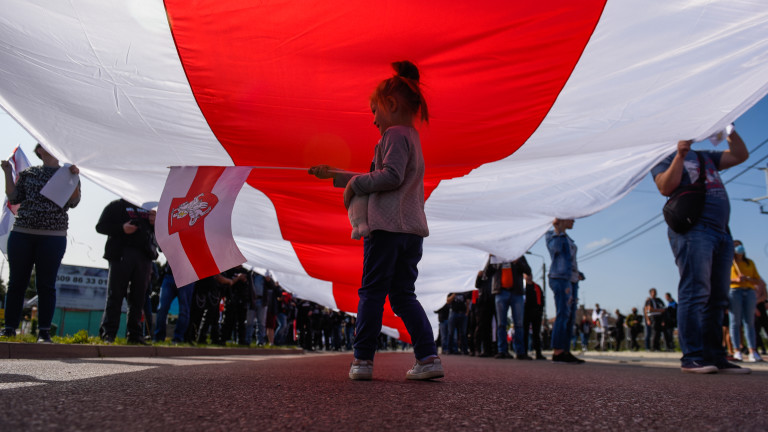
(746, 268)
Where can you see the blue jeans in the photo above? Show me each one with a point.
(168, 292)
(574, 303)
(445, 337)
(257, 318)
(281, 333)
(504, 300)
(44, 253)
(584, 340)
(349, 334)
(389, 269)
(457, 324)
(561, 333)
(703, 256)
(648, 333)
(743, 304)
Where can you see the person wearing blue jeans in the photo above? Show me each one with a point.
(703, 253)
(443, 317)
(743, 301)
(564, 277)
(281, 332)
(508, 289)
(37, 240)
(505, 300)
(168, 292)
(392, 272)
(257, 311)
(561, 333)
(457, 323)
(394, 187)
(574, 304)
(44, 253)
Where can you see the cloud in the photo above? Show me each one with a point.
(595, 244)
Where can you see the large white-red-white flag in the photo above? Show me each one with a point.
(194, 220)
(538, 110)
(19, 163)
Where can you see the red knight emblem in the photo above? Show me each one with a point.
(196, 210)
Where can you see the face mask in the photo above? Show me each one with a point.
(739, 249)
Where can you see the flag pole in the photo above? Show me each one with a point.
(335, 171)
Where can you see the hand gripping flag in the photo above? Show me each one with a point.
(194, 220)
(19, 163)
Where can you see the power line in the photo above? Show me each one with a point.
(631, 235)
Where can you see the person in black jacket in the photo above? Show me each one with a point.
(534, 309)
(485, 310)
(509, 294)
(237, 296)
(130, 250)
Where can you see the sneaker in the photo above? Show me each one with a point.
(566, 358)
(754, 358)
(8, 332)
(697, 367)
(361, 370)
(426, 371)
(737, 356)
(732, 369)
(44, 336)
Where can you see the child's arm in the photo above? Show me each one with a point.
(340, 177)
(395, 150)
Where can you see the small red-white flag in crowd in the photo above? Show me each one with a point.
(19, 163)
(194, 220)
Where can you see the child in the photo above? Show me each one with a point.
(397, 223)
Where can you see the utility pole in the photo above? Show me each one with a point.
(757, 200)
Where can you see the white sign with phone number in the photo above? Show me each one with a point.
(81, 280)
(80, 287)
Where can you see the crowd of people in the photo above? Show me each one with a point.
(246, 308)
(720, 291)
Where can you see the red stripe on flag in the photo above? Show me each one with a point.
(492, 73)
(193, 240)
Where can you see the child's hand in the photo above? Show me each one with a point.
(322, 171)
(349, 193)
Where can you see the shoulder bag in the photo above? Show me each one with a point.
(684, 207)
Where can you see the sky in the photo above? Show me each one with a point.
(623, 250)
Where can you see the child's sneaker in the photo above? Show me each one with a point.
(697, 367)
(732, 369)
(361, 370)
(425, 371)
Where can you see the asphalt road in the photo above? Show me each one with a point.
(312, 392)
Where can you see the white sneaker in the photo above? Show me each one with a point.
(361, 371)
(754, 358)
(737, 356)
(425, 371)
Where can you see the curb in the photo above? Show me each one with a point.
(17, 350)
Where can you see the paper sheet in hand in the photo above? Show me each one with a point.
(60, 187)
(720, 136)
